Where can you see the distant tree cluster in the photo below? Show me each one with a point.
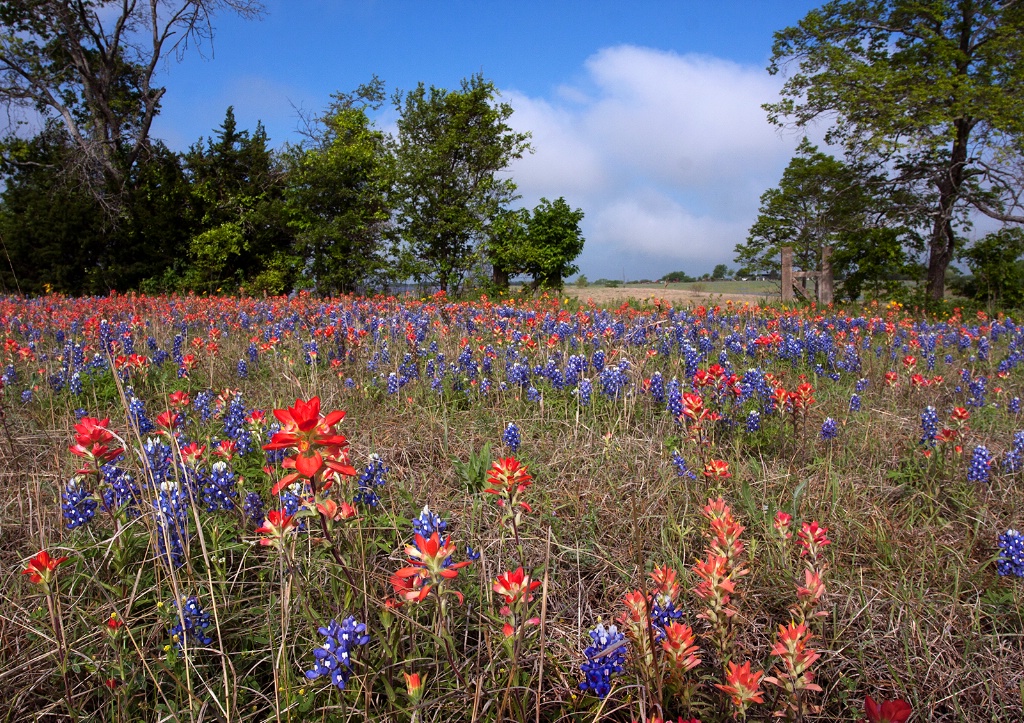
(926, 102)
(92, 203)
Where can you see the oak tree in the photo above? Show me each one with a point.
(930, 91)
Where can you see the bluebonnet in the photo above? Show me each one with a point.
(585, 390)
(854, 402)
(26, 396)
(274, 456)
(218, 491)
(137, 411)
(253, 508)
(983, 348)
(663, 612)
(682, 469)
(606, 657)
(511, 437)
(976, 387)
(471, 554)
(613, 380)
(574, 369)
(75, 385)
(754, 421)
(1015, 456)
(171, 506)
(235, 426)
(242, 369)
(517, 373)
(349, 383)
(657, 387)
(202, 404)
(159, 463)
(861, 385)
(977, 470)
(392, 383)
(79, 505)
(120, 490)
(597, 361)
(1011, 554)
(334, 657)
(829, 429)
(428, 523)
(290, 503)
(1014, 405)
(373, 476)
(310, 352)
(674, 398)
(929, 425)
(532, 395)
(191, 626)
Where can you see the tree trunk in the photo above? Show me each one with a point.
(942, 245)
(500, 277)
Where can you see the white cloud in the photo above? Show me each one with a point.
(656, 226)
(667, 154)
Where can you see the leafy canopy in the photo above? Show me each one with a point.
(451, 147)
(929, 91)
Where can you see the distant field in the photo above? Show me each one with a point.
(693, 292)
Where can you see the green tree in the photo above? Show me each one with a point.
(931, 91)
(554, 241)
(676, 277)
(451, 147)
(997, 269)
(720, 272)
(821, 201)
(91, 65)
(542, 243)
(238, 201)
(339, 196)
(58, 236)
(51, 229)
(506, 245)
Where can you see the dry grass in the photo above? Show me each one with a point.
(915, 609)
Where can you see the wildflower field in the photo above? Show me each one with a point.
(395, 509)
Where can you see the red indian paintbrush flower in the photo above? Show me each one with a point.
(812, 538)
(305, 429)
(889, 711)
(41, 566)
(742, 686)
(717, 469)
(302, 426)
(91, 443)
(515, 586)
(430, 565)
(275, 527)
(679, 645)
(413, 686)
(508, 479)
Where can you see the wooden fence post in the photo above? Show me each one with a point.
(787, 273)
(825, 292)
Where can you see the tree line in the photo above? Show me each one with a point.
(924, 103)
(91, 202)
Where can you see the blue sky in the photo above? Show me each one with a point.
(646, 115)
